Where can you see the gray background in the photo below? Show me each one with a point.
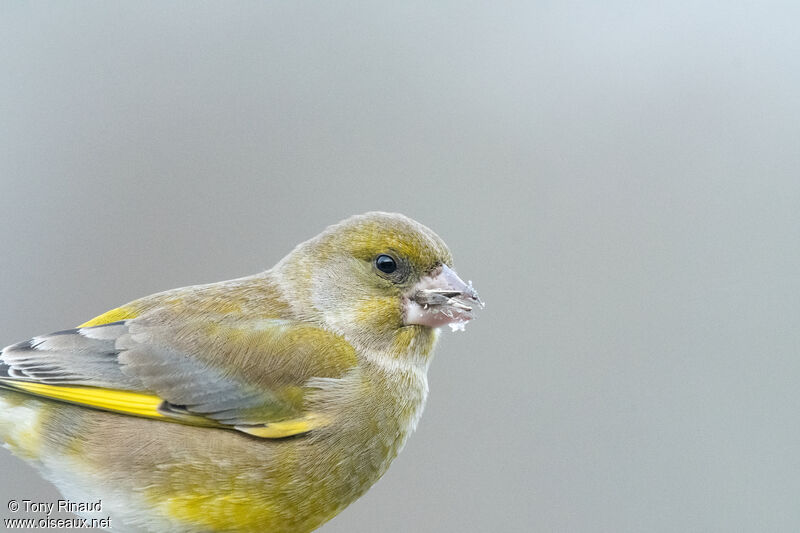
(619, 180)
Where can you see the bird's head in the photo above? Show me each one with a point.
(377, 275)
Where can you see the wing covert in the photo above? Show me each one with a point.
(249, 375)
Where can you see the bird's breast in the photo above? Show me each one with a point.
(373, 410)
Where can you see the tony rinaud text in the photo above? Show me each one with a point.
(62, 506)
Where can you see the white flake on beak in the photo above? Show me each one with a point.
(457, 326)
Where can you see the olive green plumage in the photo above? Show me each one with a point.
(266, 404)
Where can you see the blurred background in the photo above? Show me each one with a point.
(620, 180)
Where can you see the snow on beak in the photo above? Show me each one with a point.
(441, 298)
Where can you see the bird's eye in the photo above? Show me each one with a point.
(386, 263)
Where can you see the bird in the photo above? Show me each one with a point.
(266, 403)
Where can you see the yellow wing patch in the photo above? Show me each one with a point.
(126, 402)
(285, 428)
(115, 315)
(146, 405)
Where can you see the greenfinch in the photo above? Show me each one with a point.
(267, 403)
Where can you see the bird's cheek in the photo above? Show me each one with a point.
(380, 313)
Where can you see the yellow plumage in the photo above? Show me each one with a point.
(129, 403)
(115, 315)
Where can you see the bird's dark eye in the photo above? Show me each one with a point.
(386, 263)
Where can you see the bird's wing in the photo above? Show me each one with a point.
(252, 376)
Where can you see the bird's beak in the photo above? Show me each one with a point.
(441, 298)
